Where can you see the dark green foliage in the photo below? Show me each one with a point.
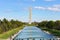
(57, 23)
(42, 24)
(6, 25)
(50, 24)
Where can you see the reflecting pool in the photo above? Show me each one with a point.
(33, 33)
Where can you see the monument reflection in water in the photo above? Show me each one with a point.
(33, 33)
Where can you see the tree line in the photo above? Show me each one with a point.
(6, 25)
(50, 24)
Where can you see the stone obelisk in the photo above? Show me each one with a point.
(30, 15)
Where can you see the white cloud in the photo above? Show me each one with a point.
(39, 7)
(48, 0)
(52, 8)
(57, 5)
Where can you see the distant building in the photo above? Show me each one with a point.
(33, 33)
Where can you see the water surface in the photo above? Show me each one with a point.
(33, 33)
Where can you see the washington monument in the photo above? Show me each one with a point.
(30, 15)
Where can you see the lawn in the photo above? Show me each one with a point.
(53, 31)
(10, 32)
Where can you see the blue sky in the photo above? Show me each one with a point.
(41, 9)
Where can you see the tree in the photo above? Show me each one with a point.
(50, 24)
(6, 25)
(57, 25)
(42, 24)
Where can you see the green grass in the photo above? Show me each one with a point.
(9, 33)
(53, 31)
